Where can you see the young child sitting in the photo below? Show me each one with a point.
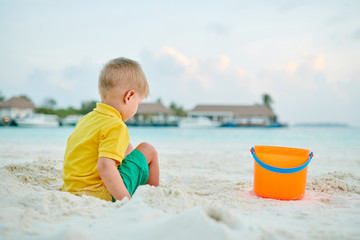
(99, 159)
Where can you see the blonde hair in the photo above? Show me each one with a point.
(125, 73)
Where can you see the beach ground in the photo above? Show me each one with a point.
(202, 195)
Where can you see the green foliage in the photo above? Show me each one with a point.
(2, 97)
(59, 112)
(178, 110)
(26, 97)
(45, 110)
(49, 103)
(62, 113)
(87, 107)
(49, 108)
(267, 100)
(147, 117)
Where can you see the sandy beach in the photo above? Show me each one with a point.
(204, 193)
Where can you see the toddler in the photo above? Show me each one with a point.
(99, 159)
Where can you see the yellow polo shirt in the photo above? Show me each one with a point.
(100, 133)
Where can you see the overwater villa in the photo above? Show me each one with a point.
(19, 111)
(15, 108)
(236, 115)
(153, 114)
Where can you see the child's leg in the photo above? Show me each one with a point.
(135, 171)
(151, 156)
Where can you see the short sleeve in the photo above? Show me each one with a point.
(114, 142)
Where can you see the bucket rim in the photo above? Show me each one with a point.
(280, 147)
(282, 157)
(278, 169)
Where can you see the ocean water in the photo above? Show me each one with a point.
(330, 142)
(323, 137)
(334, 148)
(332, 139)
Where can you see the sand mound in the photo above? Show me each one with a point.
(43, 173)
(335, 182)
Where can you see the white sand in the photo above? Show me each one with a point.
(203, 195)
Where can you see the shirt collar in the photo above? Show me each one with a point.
(107, 110)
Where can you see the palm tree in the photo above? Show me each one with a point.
(267, 100)
(49, 103)
(2, 97)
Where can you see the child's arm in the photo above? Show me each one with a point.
(112, 179)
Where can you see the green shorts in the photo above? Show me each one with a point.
(134, 171)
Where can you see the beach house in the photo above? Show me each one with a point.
(16, 107)
(236, 115)
(152, 114)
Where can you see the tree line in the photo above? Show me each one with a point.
(49, 106)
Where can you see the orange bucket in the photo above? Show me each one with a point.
(280, 172)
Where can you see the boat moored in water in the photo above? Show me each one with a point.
(38, 120)
(198, 122)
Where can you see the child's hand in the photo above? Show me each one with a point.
(111, 178)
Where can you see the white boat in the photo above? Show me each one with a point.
(71, 120)
(38, 120)
(197, 122)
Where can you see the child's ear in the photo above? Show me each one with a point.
(128, 95)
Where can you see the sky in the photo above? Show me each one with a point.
(304, 54)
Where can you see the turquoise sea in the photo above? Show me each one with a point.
(338, 142)
(330, 138)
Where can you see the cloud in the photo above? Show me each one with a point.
(240, 72)
(70, 85)
(174, 76)
(291, 67)
(303, 92)
(224, 63)
(302, 73)
(300, 87)
(318, 62)
(169, 51)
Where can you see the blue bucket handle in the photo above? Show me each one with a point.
(280, 170)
